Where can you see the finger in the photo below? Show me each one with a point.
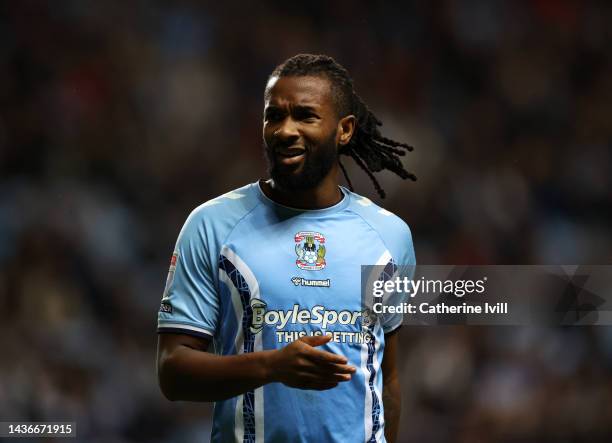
(338, 369)
(310, 381)
(328, 368)
(340, 377)
(315, 340)
(324, 356)
(306, 376)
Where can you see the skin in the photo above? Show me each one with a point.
(301, 111)
(392, 399)
(187, 372)
(298, 112)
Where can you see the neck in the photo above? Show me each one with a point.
(325, 194)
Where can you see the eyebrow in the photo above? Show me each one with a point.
(299, 108)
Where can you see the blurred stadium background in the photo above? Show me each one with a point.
(118, 118)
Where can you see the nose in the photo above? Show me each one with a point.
(287, 130)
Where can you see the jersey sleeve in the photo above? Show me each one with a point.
(190, 304)
(404, 262)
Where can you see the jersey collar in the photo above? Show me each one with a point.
(342, 204)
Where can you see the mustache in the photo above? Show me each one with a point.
(281, 146)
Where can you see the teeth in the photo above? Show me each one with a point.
(291, 152)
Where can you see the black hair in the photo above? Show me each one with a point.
(368, 147)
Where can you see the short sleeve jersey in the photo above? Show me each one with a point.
(252, 275)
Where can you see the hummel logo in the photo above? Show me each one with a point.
(299, 281)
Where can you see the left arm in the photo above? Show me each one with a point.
(392, 399)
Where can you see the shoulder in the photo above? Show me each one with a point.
(394, 231)
(219, 215)
(234, 203)
(377, 217)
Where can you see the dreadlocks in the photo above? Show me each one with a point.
(370, 150)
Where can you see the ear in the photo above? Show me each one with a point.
(346, 127)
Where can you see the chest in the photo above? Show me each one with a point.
(303, 263)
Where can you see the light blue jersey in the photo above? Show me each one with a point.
(253, 275)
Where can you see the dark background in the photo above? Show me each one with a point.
(118, 118)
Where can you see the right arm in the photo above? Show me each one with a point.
(187, 372)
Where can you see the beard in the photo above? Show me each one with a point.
(318, 161)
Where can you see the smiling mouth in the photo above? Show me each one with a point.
(291, 155)
(290, 151)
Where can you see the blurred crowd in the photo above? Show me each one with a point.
(116, 119)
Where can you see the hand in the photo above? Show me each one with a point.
(300, 365)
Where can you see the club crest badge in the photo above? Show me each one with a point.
(310, 250)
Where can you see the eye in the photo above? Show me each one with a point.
(273, 115)
(306, 116)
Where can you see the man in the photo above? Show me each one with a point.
(270, 273)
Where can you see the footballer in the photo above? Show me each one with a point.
(269, 274)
